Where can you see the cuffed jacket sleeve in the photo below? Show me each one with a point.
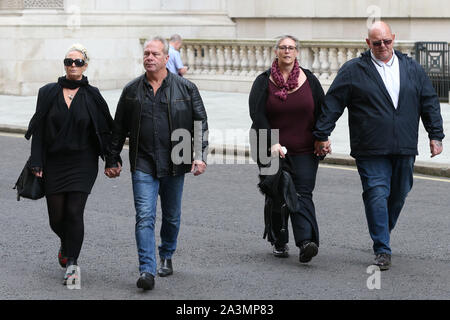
(199, 116)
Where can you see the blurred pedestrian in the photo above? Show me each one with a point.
(175, 65)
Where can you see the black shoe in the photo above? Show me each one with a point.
(165, 268)
(146, 281)
(383, 261)
(281, 251)
(308, 250)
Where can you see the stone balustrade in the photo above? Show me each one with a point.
(232, 65)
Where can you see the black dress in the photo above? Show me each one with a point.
(72, 151)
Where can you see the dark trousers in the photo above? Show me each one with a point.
(66, 211)
(386, 181)
(304, 177)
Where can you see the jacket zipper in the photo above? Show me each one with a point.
(170, 125)
(138, 132)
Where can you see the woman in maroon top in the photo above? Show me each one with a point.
(288, 98)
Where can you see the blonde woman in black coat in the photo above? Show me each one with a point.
(70, 129)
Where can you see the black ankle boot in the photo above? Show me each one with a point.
(166, 268)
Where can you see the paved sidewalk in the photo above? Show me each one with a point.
(229, 123)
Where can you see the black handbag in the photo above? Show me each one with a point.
(28, 185)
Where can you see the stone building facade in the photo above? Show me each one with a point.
(35, 34)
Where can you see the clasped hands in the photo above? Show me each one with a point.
(113, 172)
(198, 167)
(322, 148)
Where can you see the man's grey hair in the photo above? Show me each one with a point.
(287, 36)
(175, 38)
(160, 39)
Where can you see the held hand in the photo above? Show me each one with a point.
(321, 148)
(198, 167)
(113, 172)
(277, 149)
(37, 172)
(435, 147)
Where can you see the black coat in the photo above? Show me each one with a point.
(98, 111)
(376, 127)
(257, 105)
(184, 105)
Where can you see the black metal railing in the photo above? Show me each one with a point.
(434, 58)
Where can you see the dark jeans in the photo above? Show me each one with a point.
(304, 177)
(386, 181)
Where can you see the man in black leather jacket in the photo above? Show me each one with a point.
(164, 117)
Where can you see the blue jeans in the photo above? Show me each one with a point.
(386, 181)
(145, 191)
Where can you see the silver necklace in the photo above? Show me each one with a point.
(70, 96)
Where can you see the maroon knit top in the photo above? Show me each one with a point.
(294, 118)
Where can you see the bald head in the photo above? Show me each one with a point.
(379, 27)
(381, 41)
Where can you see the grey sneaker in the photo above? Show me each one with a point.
(72, 277)
(383, 261)
(281, 251)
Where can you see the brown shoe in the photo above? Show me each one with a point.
(383, 261)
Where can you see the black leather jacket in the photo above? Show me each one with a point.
(185, 106)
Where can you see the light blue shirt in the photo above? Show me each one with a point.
(174, 63)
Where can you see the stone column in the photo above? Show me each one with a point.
(244, 61)
(334, 65)
(190, 58)
(252, 71)
(228, 60)
(220, 60)
(198, 59)
(316, 63)
(324, 64)
(259, 58)
(212, 59)
(236, 60)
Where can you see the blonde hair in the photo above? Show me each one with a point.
(80, 48)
